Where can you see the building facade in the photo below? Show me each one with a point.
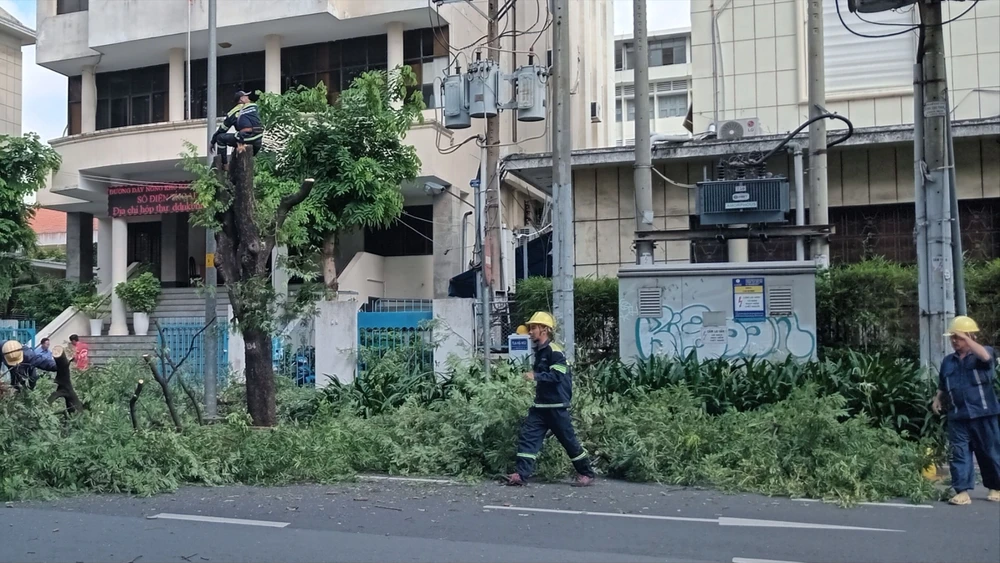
(136, 93)
(669, 83)
(13, 36)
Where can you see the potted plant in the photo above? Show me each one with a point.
(93, 305)
(139, 295)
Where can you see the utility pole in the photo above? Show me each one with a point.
(643, 148)
(819, 213)
(937, 272)
(483, 285)
(563, 259)
(492, 179)
(211, 281)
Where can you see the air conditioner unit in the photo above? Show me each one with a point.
(737, 128)
(595, 112)
(735, 202)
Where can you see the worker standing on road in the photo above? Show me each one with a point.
(246, 120)
(965, 392)
(553, 393)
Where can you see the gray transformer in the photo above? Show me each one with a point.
(729, 310)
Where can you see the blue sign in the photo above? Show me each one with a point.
(474, 183)
(748, 299)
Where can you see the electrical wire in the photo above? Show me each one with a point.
(909, 27)
(790, 136)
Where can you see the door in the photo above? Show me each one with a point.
(144, 245)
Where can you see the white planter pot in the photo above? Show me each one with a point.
(140, 321)
(96, 325)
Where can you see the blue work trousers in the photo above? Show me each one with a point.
(979, 436)
(533, 430)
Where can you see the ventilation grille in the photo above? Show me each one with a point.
(779, 300)
(650, 302)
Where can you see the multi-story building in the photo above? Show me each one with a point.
(137, 91)
(669, 83)
(758, 73)
(13, 36)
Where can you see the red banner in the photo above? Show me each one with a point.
(150, 199)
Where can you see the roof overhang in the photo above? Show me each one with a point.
(15, 29)
(536, 169)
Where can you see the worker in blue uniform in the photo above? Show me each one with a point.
(966, 392)
(553, 394)
(23, 361)
(246, 120)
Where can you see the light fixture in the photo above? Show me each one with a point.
(225, 44)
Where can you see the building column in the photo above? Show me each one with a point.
(45, 9)
(104, 252)
(272, 64)
(119, 273)
(88, 101)
(176, 88)
(394, 32)
(447, 235)
(79, 247)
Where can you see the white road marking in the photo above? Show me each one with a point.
(722, 521)
(754, 523)
(745, 560)
(614, 514)
(217, 520)
(407, 479)
(887, 504)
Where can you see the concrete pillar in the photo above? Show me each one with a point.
(44, 9)
(272, 64)
(176, 86)
(447, 235)
(104, 252)
(394, 31)
(79, 247)
(174, 250)
(88, 101)
(119, 273)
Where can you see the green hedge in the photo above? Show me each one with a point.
(869, 307)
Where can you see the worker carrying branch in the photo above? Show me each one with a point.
(553, 393)
(246, 120)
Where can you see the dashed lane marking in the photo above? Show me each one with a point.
(216, 520)
(746, 560)
(886, 504)
(406, 479)
(614, 514)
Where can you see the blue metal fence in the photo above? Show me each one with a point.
(403, 331)
(24, 333)
(177, 334)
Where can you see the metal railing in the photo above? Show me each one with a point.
(175, 339)
(404, 333)
(22, 331)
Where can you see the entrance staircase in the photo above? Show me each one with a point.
(175, 304)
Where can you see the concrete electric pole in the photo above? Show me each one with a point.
(643, 149)
(491, 257)
(563, 258)
(933, 189)
(819, 213)
(211, 281)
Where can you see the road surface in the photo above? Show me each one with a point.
(382, 519)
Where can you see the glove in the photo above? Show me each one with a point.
(215, 138)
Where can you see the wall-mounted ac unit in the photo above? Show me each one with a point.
(738, 128)
(735, 202)
(595, 112)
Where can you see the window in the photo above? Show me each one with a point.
(70, 6)
(619, 58)
(74, 97)
(618, 111)
(131, 97)
(426, 51)
(234, 72)
(662, 52)
(336, 63)
(671, 105)
(411, 235)
(854, 65)
(630, 108)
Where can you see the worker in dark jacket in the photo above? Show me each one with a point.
(965, 392)
(553, 394)
(23, 361)
(246, 120)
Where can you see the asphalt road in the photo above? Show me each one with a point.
(389, 520)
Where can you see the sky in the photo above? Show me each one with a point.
(44, 92)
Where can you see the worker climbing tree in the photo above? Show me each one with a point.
(249, 129)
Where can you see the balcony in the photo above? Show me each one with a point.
(152, 152)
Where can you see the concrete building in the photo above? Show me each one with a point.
(760, 74)
(13, 36)
(130, 109)
(669, 83)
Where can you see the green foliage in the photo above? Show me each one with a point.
(140, 293)
(47, 298)
(596, 304)
(92, 304)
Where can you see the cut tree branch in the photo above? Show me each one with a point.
(131, 405)
(176, 366)
(166, 390)
(64, 383)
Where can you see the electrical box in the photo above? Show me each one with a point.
(456, 104)
(519, 347)
(735, 202)
(483, 88)
(765, 310)
(532, 87)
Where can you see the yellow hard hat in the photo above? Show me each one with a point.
(962, 323)
(522, 330)
(542, 318)
(13, 353)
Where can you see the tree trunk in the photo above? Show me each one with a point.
(64, 383)
(330, 262)
(260, 378)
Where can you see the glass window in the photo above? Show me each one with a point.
(619, 58)
(70, 6)
(671, 105)
(132, 97)
(411, 235)
(630, 108)
(618, 111)
(426, 51)
(665, 52)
